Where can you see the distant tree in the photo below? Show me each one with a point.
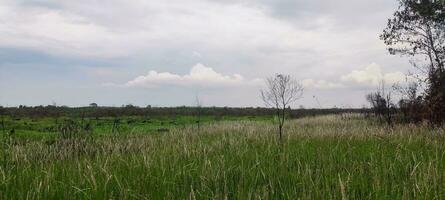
(2, 113)
(381, 104)
(94, 105)
(410, 103)
(198, 104)
(129, 106)
(418, 29)
(282, 90)
(378, 103)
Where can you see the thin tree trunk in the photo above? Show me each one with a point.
(3, 143)
(3, 125)
(279, 122)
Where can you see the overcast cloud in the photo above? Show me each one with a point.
(164, 53)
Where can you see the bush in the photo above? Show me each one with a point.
(71, 129)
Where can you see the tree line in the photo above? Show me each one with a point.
(130, 110)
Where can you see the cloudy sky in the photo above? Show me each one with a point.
(165, 53)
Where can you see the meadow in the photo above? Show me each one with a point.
(321, 157)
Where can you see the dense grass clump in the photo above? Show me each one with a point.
(321, 158)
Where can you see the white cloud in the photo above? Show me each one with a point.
(372, 75)
(197, 54)
(56, 32)
(102, 72)
(199, 75)
(73, 29)
(88, 28)
(320, 84)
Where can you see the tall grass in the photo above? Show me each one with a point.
(321, 158)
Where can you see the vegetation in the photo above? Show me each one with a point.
(382, 105)
(37, 112)
(129, 152)
(282, 90)
(418, 30)
(52, 127)
(326, 157)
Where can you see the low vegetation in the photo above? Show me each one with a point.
(325, 157)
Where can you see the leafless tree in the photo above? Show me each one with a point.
(198, 104)
(3, 120)
(282, 90)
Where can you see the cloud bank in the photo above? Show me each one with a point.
(372, 75)
(199, 75)
(368, 76)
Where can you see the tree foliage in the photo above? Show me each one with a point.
(381, 104)
(418, 29)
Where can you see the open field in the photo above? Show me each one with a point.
(208, 99)
(325, 157)
(43, 128)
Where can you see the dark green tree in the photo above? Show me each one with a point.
(418, 29)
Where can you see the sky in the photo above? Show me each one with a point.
(168, 53)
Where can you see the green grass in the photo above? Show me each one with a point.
(321, 158)
(46, 128)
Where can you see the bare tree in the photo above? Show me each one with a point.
(282, 90)
(2, 111)
(198, 104)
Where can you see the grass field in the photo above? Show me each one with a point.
(325, 157)
(48, 127)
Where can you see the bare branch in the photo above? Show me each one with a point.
(282, 90)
